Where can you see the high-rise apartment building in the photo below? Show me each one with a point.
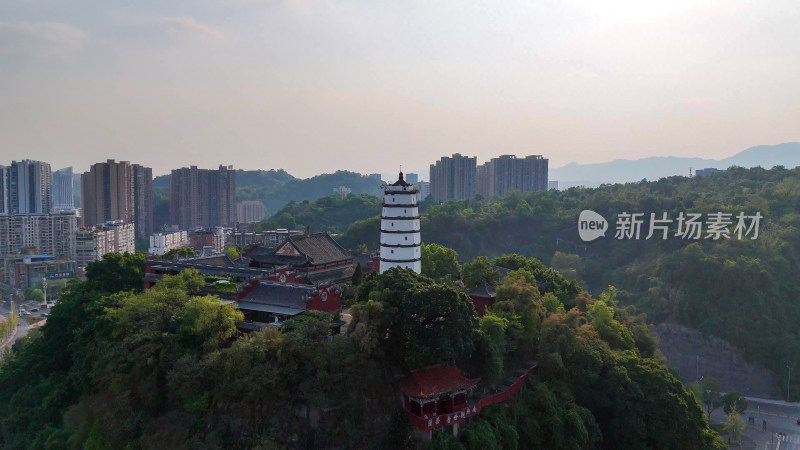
(51, 234)
(142, 199)
(63, 198)
(92, 243)
(118, 191)
(453, 178)
(412, 178)
(3, 190)
(250, 211)
(202, 197)
(28, 188)
(424, 189)
(107, 192)
(509, 173)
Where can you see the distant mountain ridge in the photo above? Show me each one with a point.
(653, 168)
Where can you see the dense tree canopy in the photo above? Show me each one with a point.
(440, 262)
(116, 367)
(332, 213)
(738, 290)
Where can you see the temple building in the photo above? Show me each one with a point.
(313, 258)
(258, 291)
(400, 237)
(437, 396)
(483, 297)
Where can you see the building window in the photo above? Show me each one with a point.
(392, 251)
(406, 237)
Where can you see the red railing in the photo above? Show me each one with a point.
(472, 409)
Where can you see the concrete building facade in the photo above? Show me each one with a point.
(202, 198)
(509, 173)
(28, 188)
(112, 191)
(453, 178)
(51, 234)
(63, 193)
(92, 243)
(207, 241)
(161, 243)
(142, 180)
(250, 211)
(4, 190)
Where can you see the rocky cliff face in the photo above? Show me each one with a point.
(696, 356)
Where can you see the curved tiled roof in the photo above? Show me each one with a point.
(435, 380)
(280, 295)
(319, 248)
(485, 290)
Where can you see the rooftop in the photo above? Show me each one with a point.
(485, 290)
(316, 249)
(435, 380)
(278, 298)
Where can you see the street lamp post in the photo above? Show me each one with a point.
(788, 381)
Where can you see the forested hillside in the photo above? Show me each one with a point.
(115, 367)
(744, 291)
(332, 213)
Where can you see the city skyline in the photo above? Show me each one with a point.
(371, 85)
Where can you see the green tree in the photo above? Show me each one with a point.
(734, 401)
(711, 397)
(420, 323)
(602, 319)
(180, 252)
(494, 329)
(189, 280)
(478, 272)
(358, 275)
(552, 304)
(439, 262)
(696, 390)
(117, 272)
(569, 266)
(734, 425)
(34, 295)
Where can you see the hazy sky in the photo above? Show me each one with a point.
(313, 87)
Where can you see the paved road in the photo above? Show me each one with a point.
(23, 325)
(781, 417)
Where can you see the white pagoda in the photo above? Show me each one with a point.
(400, 239)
